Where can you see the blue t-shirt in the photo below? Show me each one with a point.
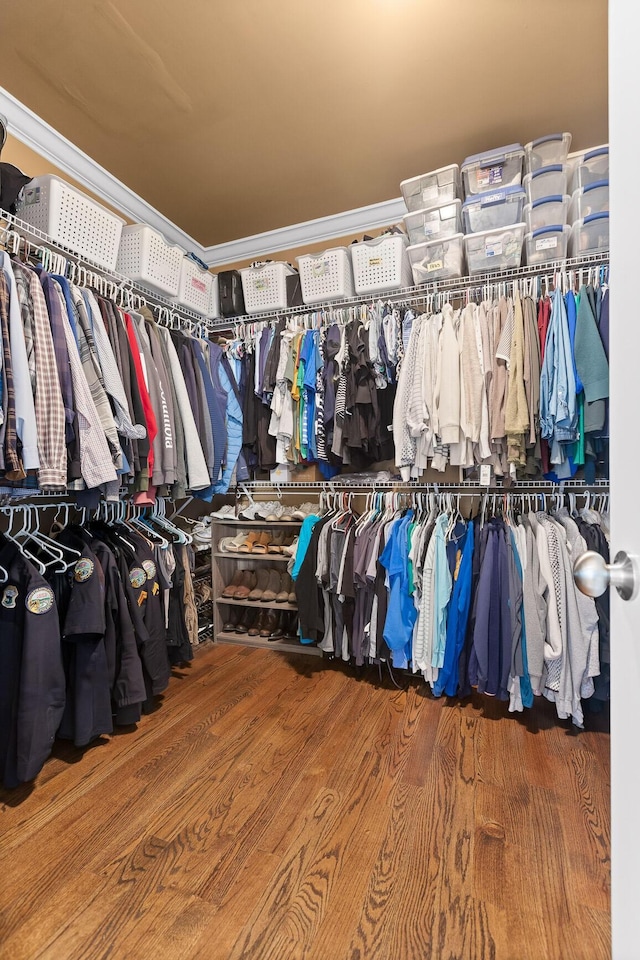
(401, 611)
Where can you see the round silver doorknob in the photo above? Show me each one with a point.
(592, 575)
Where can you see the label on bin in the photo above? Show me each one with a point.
(430, 192)
(435, 265)
(547, 243)
(319, 268)
(31, 195)
(489, 175)
(512, 248)
(493, 248)
(199, 284)
(261, 283)
(375, 261)
(430, 228)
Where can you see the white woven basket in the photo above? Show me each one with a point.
(72, 219)
(147, 258)
(194, 288)
(265, 286)
(381, 264)
(326, 276)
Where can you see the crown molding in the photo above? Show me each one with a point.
(39, 136)
(372, 217)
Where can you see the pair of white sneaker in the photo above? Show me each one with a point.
(271, 510)
(305, 510)
(226, 512)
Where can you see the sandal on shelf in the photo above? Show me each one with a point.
(249, 539)
(232, 544)
(261, 543)
(276, 542)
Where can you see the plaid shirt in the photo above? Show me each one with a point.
(12, 463)
(50, 414)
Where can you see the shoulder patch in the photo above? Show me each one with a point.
(83, 569)
(149, 569)
(9, 596)
(39, 600)
(137, 577)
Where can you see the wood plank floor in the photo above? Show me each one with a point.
(278, 807)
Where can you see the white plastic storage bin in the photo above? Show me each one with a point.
(590, 235)
(591, 199)
(547, 150)
(145, 257)
(381, 264)
(593, 166)
(326, 276)
(547, 182)
(547, 212)
(488, 211)
(432, 189)
(494, 250)
(493, 169)
(437, 259)
(194, 288)
(432, 224)
(72, 219)
(265, 286)
(214, 299)
(548, 243)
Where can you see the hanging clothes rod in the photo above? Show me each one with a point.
(458, 287)
(11, 237)
(464, 486)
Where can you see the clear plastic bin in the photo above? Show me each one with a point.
(547, 212)
(493, 169)
(588, 200)
(547, 182)
(548, 243)
(494, 250)
(544, 151)
(432, 189)
(381, 264)
(432, 224)
(488, 211)
(264, 286)
(593, 166)
(437, 259)
(145, 257)
(326, 276)
(590, 235)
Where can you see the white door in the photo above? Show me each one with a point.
(624, 138)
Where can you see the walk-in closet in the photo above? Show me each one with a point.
(318, 532)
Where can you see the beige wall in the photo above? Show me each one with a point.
(33, 165)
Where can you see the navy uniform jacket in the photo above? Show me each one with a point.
(32, 682)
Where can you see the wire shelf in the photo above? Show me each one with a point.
(13, 224)
(461, 286)
(525, 486)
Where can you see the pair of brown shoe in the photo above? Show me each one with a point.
(269, 586)
(268, 624)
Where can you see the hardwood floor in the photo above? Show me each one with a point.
(277, 807)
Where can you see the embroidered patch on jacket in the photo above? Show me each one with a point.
(83, 570)
(9, 595)
(150, 568)
(39, 600)
(137, 577)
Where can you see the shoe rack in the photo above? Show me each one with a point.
(226, 565)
